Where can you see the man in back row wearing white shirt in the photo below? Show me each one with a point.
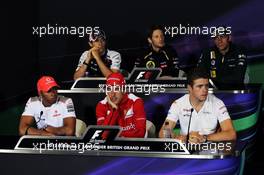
(98, 61)
(49, 113)
(207, 112)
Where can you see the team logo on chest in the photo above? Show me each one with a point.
(56, 113)
(128, 113)
(150, 64)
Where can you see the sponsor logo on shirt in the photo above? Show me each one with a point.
(129, 113)
(56, 115)
(70, 107)
(128, 127)
(206, 112)
(187, 110)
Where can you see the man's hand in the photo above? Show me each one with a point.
(182, 138)
(95, 54)
(114, 106)
(49, 129)
(195, 137)
(89, 56)
(46, 133)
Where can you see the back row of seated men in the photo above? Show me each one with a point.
(220, 61)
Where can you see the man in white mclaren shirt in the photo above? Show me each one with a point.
(206, 112)
(98, 61)
(49, 113)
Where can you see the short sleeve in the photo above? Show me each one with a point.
(69, 112)
(29, 108)
(116, 61)
(82, 59)
(222, 113)
(173, 113)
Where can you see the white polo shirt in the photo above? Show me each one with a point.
(52, 115)
(205, 121)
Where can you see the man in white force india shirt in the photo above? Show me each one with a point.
(206, 112)
(49, 113)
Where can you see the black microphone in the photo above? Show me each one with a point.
(31, 125)
(187, 138)
(40, 115)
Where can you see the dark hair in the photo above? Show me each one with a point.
(153, 28)
(195, 74)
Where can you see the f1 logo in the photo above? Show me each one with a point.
(96, 134)
(141, 74)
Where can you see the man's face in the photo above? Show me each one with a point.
(222, 42)
(99, 44)
(199, 89)
(115, 94)
(49, 97)
(157, 39)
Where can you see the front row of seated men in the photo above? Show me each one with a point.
(51, 114)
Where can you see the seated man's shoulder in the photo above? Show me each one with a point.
(64, 99)
(133, 97)
(35, 99)
(33, 102)
(113, 53)
(182, 100)
(84, 53)
(215, 100)
(83, 57)
(104, 101)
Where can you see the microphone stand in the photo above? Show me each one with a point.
(187, 138)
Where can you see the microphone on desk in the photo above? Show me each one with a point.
(188, 134)
(40, 115)
(31, 125)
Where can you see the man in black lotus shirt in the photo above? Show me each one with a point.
(159, 55)
(225, 62)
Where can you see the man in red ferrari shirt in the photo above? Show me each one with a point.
(121, 108)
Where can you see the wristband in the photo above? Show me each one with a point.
(26, 132)
(205, 138)
(85, 63)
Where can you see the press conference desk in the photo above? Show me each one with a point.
(128, 162)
